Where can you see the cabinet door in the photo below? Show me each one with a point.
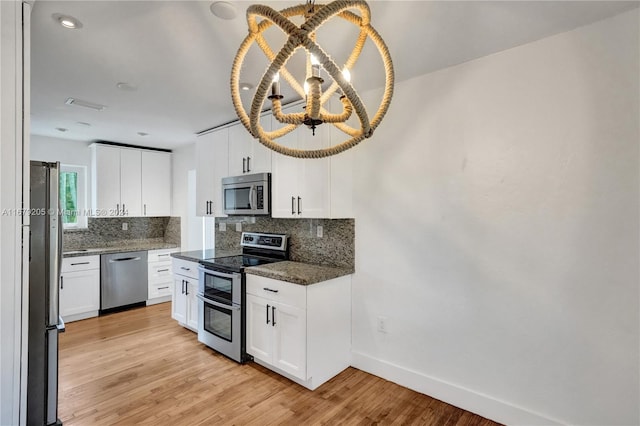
(290, 340)
(79, 292)
(130, 178)
(239, 147)
(259, 331)
(212, 154)
(156, 183)
(191, 287)
(179, 300)
(313, 174)
(284, 179)
(106, 180)
(259, 155)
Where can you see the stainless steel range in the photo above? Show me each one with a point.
(221, 292)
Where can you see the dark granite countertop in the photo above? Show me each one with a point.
(297, 272)
(198, 255)
(136, 246)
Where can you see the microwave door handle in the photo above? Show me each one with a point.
(252, 197)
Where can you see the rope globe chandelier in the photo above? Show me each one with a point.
(315, 113)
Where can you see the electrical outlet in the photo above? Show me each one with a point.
(319, 231)
(222, 226)
(125, 226)
(383, 325)
(239, 226)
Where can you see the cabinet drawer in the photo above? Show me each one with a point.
(160, 289)
(160, 273)
(186, 268)
(160, 255)
(281, 291)
(80, 263)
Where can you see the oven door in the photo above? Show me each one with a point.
(220, 327)
(223, 287)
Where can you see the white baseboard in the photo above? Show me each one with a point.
(483, 405)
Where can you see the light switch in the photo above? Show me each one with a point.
(125, 226)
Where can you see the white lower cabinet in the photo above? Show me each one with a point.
(160, 276)
(184, 304)
(80, 288)
(301, 332)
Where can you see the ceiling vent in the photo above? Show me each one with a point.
(84, 104)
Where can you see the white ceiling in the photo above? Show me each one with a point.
(179, 57)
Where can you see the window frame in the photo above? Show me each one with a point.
(81, 186)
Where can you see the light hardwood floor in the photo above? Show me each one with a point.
(141, 367)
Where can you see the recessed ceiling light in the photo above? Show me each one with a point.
(61, 129)
(246, 86)
(143, 134)
(223, 10)
(126, 87)
(67, 21)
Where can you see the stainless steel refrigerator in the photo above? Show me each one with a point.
(44, 279)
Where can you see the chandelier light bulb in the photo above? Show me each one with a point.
(314, 60)
(306, 88)
(276, 78)
(346, 74)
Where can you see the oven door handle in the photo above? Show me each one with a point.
(217, 304)
(217, 273)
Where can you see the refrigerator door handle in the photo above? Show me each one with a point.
(61, 327)
(55, 232)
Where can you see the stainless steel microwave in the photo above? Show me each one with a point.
(247, 194)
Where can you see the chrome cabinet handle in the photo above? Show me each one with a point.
(271, 290)
(299, 199)
(118, 209)
(273, 316)
(244, 163)
(248, 164)
(162, 270)
(123, 210)
(267, 314)
(162, 288)
(293, 209)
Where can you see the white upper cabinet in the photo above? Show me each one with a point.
(156, 183)
(130, 181)
(311, 188)
(246, 154)
(212, 164)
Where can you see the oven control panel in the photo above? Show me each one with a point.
(258, 240)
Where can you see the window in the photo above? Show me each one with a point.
(73, 196)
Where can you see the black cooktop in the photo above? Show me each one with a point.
(237, 263)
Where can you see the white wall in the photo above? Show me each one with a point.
(183, 160)
(497, 231)
(44, 148)
(12, 318)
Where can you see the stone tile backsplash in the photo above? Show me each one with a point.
(107, 232)
(335, 248)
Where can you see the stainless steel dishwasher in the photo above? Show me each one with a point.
(123, 279)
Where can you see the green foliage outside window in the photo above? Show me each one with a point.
(69, 197)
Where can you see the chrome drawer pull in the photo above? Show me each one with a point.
(268, 289)
(162, 288)
(80, 263)
(162, 270)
